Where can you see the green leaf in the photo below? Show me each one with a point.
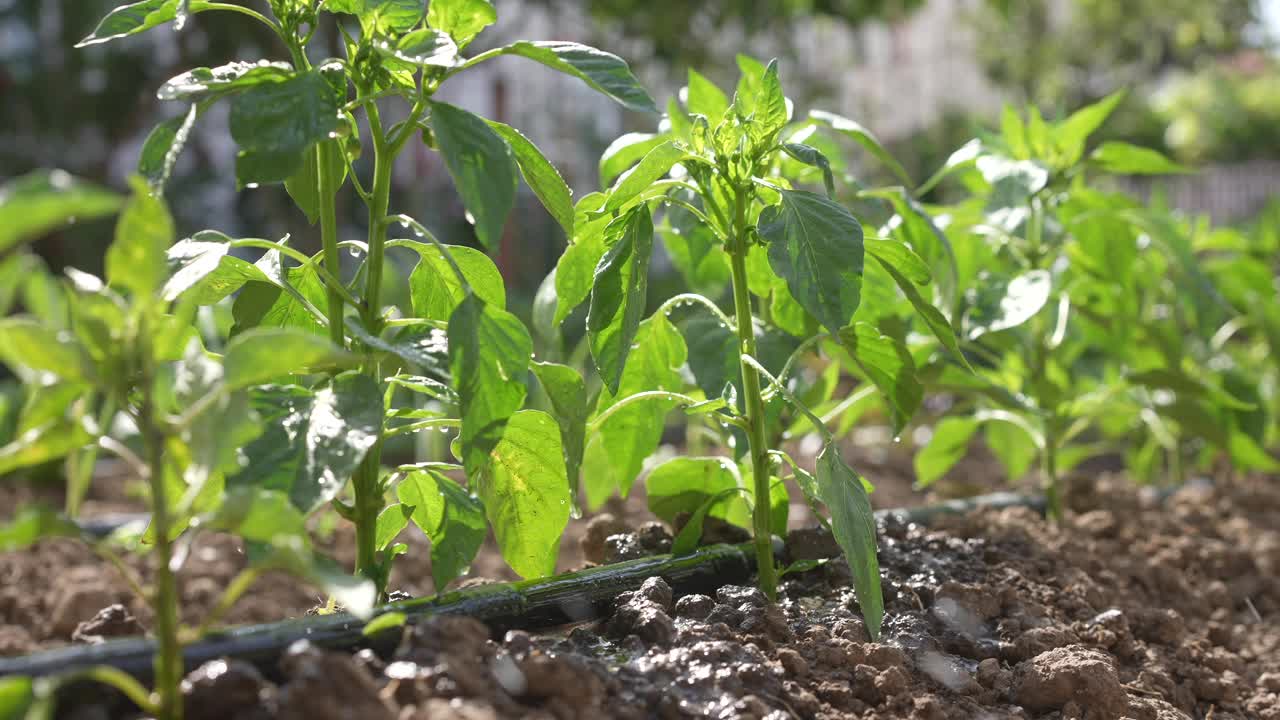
(206, 83)
(525, 495)
(276, 123)
(816, 246)
(712, 351)
(906, 269)
(482, 166)
(568, 394)
(541, 175)
(859, 134)
(686, 541)
(916, 227)
(137, 17)
(604, 72)
(461, 19)
(899, 256)
(36, 446)
(949, 443)
(683, 484)
(810, 155)
(162, 147)
(383, 623)
(304, 185)
(23, 341)
(695, 250)
(489, 355)
(222, 423)
(32, 525)
(704, 98)
(136, 260)
(391, 521)
(624, 152)
(888, 363)
(451, 518)
(435, 288)
(1013, 447)
(257, 515)
(202, 268)
(619, 293)
(653, 167)
(262, 355)
(1121, 158)
(575, 271)
(380, 16)
(16, 697)
(313, 441)
(423, 48)
(1071, 134)
(770, 113)
(854, 526)
(616, 450)
(279, 302)
(1003, 306)
(419, 347)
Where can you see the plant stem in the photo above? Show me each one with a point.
(329, 234)
(164, 599)
(760, 464)
(367, 483)
(1052, 492)
(81, 464)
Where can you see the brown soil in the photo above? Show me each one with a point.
(1126, 610)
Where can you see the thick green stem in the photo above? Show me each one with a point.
(367, 483)
(1052, 491)
(164, 599)
(760, 464)
(325, 155)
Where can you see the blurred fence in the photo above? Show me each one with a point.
(1226, 193)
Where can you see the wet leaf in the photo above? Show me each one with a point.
(525, 495)
(854, 526)
(619, 293)
(489, 354)
(816, 246)
(604, 72)
(451, 518)
(482, 166)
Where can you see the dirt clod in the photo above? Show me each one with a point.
(111, 621)
(328, 686)
(599, 528)
(1071, 674)
(225, 689)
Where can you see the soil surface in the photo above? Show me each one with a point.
(1128, 609)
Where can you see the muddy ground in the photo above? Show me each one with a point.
(1126, 610)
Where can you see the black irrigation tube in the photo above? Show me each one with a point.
(528, 605)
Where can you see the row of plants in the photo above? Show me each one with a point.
(1056, 320)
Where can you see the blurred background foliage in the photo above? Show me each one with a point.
(1203, 77)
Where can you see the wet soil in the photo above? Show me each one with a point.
(1128, 609)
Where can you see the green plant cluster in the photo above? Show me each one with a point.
(1059, 321)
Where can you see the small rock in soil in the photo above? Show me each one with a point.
(694, 607)
(599, 528)
(111, 621)
(1075, 673)
(639, 616)
(655, 590)
(77, 606)
(654, 538)
(815, 543)
(620, 548)
(328, 686)
(226, 689)
(739, 595)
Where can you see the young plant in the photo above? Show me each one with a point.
(300, 122)
(722, 176)
(1090, 319)
(126, 373)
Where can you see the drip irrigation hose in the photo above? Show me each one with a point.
(528, 605)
